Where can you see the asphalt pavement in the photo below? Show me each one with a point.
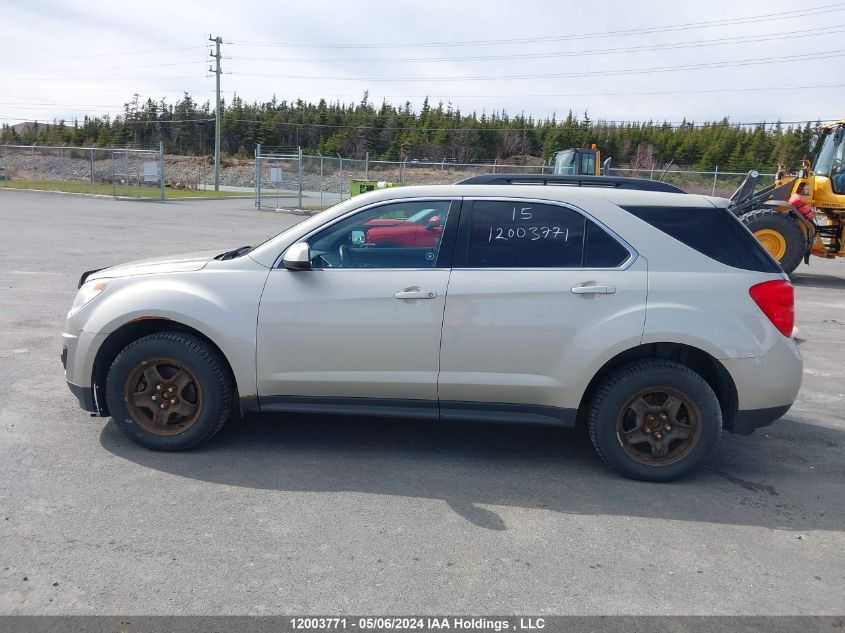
(304, 514)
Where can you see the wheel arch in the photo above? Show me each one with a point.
(132, 331)
(705, 365)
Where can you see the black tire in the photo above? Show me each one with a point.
(789, 229)
(609, 413)
(205, 365)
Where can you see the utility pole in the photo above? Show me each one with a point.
(216, 70)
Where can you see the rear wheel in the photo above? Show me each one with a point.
(655, 420)
(169, 391)
(779, 234)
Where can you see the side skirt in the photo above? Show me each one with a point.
(495, 412)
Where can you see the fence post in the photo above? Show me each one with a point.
(495, 162)
(300, 177)
(62, 162)
(402, 171)
(32, 162)
(321, 179)
(113, 184)
(340, 187)
(258, 175)
(367, 166)
(161, 169)
(651, 175)
(442, 167)
(92, 169)
(715, 176)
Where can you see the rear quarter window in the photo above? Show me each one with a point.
(713, 232)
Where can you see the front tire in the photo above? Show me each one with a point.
(779, 234)
(169, 391)
(654, 420)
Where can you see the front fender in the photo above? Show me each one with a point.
(221, 305)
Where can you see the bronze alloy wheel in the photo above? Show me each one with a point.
(658, 426)
(163, 396)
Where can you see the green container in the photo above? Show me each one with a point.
(363, 186)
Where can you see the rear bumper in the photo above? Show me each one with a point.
(746, 422)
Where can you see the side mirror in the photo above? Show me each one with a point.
(432, 223)
(297, 257)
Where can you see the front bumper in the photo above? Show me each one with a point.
(76, 349)
(85, 395)
(746, 422)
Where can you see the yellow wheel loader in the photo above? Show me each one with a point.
(581, 161)
(801, 215)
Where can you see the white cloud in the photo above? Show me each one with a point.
(68, 80)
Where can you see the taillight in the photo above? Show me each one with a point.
(777, 301)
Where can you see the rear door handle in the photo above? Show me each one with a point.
(415, 293)
(592, 288)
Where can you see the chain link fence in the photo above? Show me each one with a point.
(276, 177)
(711, 183)
(123, 173)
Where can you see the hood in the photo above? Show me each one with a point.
(170, 264)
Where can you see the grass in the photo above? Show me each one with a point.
(106, 189)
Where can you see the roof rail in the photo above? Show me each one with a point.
(612, 182)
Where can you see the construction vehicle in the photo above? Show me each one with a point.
(581, 162)
(804, 214)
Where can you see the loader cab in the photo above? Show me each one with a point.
(578, 162)
(830, 159)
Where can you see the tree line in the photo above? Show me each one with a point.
(435, 132)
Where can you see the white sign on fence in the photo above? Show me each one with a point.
(276, 175)
(151, 172)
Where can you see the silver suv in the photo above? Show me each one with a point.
(652, 316)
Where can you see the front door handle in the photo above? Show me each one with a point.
(592, 288)
(415, 293)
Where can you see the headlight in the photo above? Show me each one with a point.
(87, 293)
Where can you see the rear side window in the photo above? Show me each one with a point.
(520, 234)
(711, 231)
(601, 250)
(514, 234)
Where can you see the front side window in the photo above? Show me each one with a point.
(393, 235)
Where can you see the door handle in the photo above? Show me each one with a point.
(415, 293)
(592, 288)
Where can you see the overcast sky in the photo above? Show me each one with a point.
(65, 58)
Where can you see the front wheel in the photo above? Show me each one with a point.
(169, 391)
(655, 420)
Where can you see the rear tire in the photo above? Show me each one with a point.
(780, 234)
(169, 391)
(654, 420)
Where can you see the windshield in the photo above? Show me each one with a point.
(830, 158)
(565, 162)
(421, 216)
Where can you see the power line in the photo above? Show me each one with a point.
(613, 72)
(88, 69)
(147, 52)
(768, 17)
(826, 30)
(448, 97)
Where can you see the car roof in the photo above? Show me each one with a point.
(557, 193)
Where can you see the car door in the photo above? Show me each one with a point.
(538, 294)
(361, 329)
